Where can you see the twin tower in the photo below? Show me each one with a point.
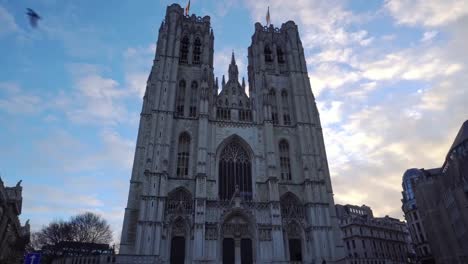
(220, 176)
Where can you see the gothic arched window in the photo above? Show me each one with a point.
(184, 49)
(196, 51)
(235, 172)
(179, 201)
(280, 55)
(267, 52)
(285, 103)
(180, 98)
(285, 163)
(291, 207)
(274, 106)
(183, 154)
(193, 99)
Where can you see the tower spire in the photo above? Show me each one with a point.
(233, 71)
(233, 59)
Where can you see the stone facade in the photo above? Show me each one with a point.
(413, 216)
(13, 236)
(442, 196)
(220, 176)
(372, 240)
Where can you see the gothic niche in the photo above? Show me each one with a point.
(179, 202)
(235, 172)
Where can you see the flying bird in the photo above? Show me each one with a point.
(33, 17)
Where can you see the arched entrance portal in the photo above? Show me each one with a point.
(237, 246)
(235, 171)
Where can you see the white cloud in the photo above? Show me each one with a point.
(429, 35)
(7, 22)
(429, 13)
(137, 62)
(17, 101)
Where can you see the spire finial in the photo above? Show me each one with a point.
(233, 59)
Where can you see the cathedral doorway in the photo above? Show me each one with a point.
(235, 172)
(237, 247)
(178, 250)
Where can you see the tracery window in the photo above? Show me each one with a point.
(285, 163)
(193, 99)
(285, 103)
(184, 49)
(280, 55)
(291, 207)
(180, 99)
(274, 106)
(183, 154)
(196, 51)
(179, 201)
(235, 172)
(267, 52)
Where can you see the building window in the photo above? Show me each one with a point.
(268, 56)
(180, 99)
(291, 207)
(285, 102)
(274, 106)
(285, 163)
(354, 243)
(183, 154)
(245, 115)
(184, 48)
(235, 172)
(179, 201)
(196, 51)
(280, 54)
(193, 99)
(223, 113)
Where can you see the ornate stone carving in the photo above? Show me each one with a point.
(264, 234)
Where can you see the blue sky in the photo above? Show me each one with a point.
(389, 78)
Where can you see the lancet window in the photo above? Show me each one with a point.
(235, 172)
(285, 163)
(245, 115)
(184, 49)
(280, 55)
(223, 113)
(193, 99)
(183, 155)
(285, 103)
(196, 51)
(180, 99)
(274, 106)
(268, 55)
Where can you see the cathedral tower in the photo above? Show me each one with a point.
(226, 177)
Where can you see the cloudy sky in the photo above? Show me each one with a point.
(390, 78)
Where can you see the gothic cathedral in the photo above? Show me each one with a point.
(220, 176)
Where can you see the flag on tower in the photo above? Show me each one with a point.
(187, 8)
(268, 16)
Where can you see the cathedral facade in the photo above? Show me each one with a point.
(222, 176)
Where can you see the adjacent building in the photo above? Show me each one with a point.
(13, 236)
(372, 240)
(413, 217)
(442, 201)
(222, 176)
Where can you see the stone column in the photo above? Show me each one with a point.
(237, 250)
